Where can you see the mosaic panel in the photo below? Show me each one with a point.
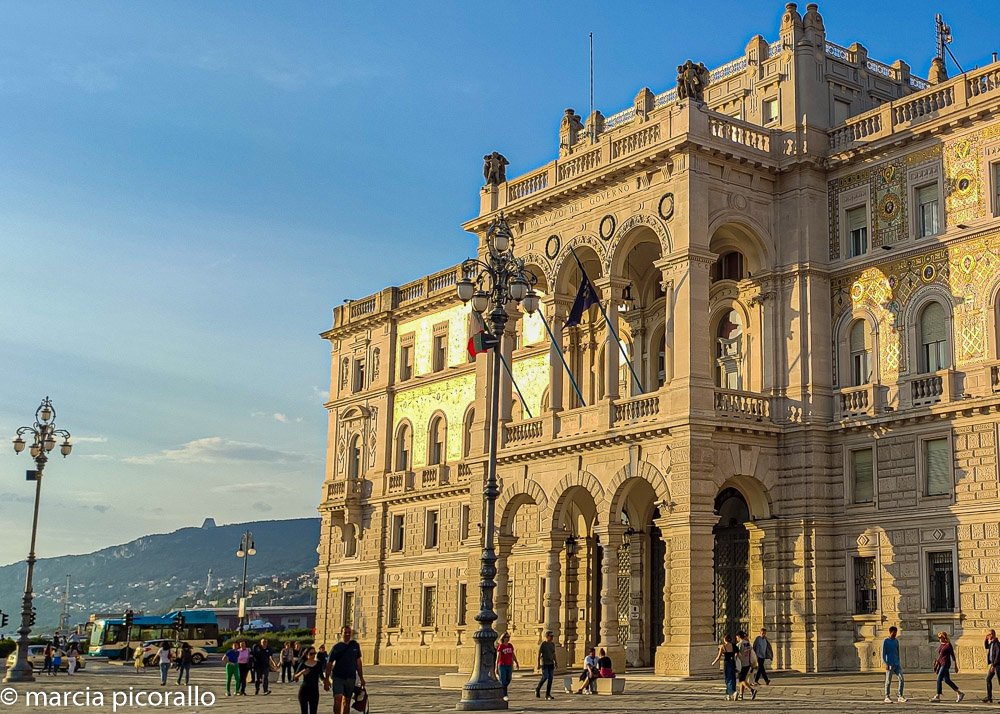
(532, 376)
(418, 404)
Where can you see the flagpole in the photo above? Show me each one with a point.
(611, 329)
(508, 370)
(569, 372)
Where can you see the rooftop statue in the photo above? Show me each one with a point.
(692, 79)
(495, 169)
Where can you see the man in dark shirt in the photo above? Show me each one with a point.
(547, 663)
(263, 659)
(345, 667)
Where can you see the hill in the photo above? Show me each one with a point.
(153, 572)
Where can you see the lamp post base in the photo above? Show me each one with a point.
(481, 696)
(19, 673)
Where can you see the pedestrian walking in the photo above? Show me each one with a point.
(590, 674)
(322, 656)
(745, 655)
(263, 661)
(71, 658)
(992, 662)
(890, 658)
(309, 674)
(232, 660)
(763, 651)
(506, 662)
(184, 660)
(942, 665)
(163, 658)
(287, 668)
(137, 660)
(47, 661)
(245, 665)
(296, 655)
(56, 662)
(727, 653)
(547, 664)
(343, 671)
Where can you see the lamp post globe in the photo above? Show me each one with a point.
(492, 285)
(43, 435)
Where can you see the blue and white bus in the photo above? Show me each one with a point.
(107, 634)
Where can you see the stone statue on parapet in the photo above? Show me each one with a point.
(495, 168)
(692, 80)
(569, 131)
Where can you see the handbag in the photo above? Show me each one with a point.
(937, 666)
(360, 701)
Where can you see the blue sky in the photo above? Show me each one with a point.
(187, 189)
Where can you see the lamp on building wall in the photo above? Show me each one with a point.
(43, 440)
(492, 285)
(571, 546)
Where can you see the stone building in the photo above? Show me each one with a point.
(803, 263)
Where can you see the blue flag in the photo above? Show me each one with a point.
(585, 297)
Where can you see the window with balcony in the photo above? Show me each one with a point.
(404, 447)
(928, 221)
(936, 456)
(865, 586)
(729, 351)
(769, 110)
(941, 582)
(436, 441)
(861, 350)
(354, 465)
(862, 476)
(933, 338)
(857, 231)
(398, 533)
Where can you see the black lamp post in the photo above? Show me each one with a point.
(245, 550)
(43, 439)
(491, 285)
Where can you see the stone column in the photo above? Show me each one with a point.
(556, 315)
(756, 582)
(634, 647)
(668, 325)
(611, 291)
(611, 539)
(553, 599)
(663, 523)
(505, 543)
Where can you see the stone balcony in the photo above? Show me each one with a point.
(741, 405)
(344, 492)
(924, 390)
(867, 400)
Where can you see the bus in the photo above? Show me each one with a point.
(107, 634)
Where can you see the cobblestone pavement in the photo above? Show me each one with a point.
(411, 690)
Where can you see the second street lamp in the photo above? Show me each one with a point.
(43, 440)
(492, 284)
(245, 550)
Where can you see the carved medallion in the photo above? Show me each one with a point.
(552, 246)
(890, 206)
(607, 228)
(666, 207)
(928, 273)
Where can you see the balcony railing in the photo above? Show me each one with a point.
(523, 432)
(635, 409)
(742, 405)
(866, 400)
(399, 482)
(432, 476)
(923, 390)
(995, 378)
(342, 490)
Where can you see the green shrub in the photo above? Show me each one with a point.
(6, 647)
(276, 640)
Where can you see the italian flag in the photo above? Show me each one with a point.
(478, 343)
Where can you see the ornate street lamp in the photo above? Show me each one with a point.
(491, 285)
(245, 550)
(43, 436)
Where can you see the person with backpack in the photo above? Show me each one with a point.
(992, 662)
(745, 657)
(184, 661)
(762, 650)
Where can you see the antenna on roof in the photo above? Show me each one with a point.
(590, 117)
(944, 38)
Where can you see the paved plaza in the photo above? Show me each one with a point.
(406, 690)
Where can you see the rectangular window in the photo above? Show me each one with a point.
(862, 476)
(395, 607)
(440, 352)
(770, 110)
(428, 614)
(405, 362)
(865, 592)
(996, 188)
(857, 231)
(463, 521)
(541, 600)
(463, 596)
(941, 585)
(841, 111)
(397, 533)
(927, 210)
(937, 466)
(431, 530)
(349, 609)
(359, 375)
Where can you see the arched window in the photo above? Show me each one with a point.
(729, 351)
(860, 341)
(436, 441)
(470, 417)
(516, 410)
(404, 447)
(933, 338)
(730, 266)
(354, 457)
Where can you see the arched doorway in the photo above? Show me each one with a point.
(732, 564)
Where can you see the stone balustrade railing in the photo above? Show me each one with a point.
(342, 490)
(399, 482)
(742, 405)
(926, 389)
(523, 432)
(523, 187)
(644, 406)
(363, 307)
(464, 472)
(995, 378)
(935, 101)
(433, 476)
(866, 400)
(740, 132)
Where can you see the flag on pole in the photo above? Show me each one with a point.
(585, 297)
(478, 344)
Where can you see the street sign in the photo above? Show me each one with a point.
(30, 475)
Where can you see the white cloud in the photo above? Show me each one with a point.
(278, 416)
(321, 394)
(89, 439)
(98, 457)
(215, 449)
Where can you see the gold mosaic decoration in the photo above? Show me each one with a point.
(418, 404)
(966, 197)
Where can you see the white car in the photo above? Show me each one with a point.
(36, 658)
(152, 647)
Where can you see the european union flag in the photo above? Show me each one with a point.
(585, 297)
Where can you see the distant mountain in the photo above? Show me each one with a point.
(153, 572)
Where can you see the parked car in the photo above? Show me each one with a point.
(36, 658)
(151, 647)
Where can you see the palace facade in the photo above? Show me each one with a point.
(803, 263)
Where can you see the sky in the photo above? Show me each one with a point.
(187, 189)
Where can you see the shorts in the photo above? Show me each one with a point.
(343, 686)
